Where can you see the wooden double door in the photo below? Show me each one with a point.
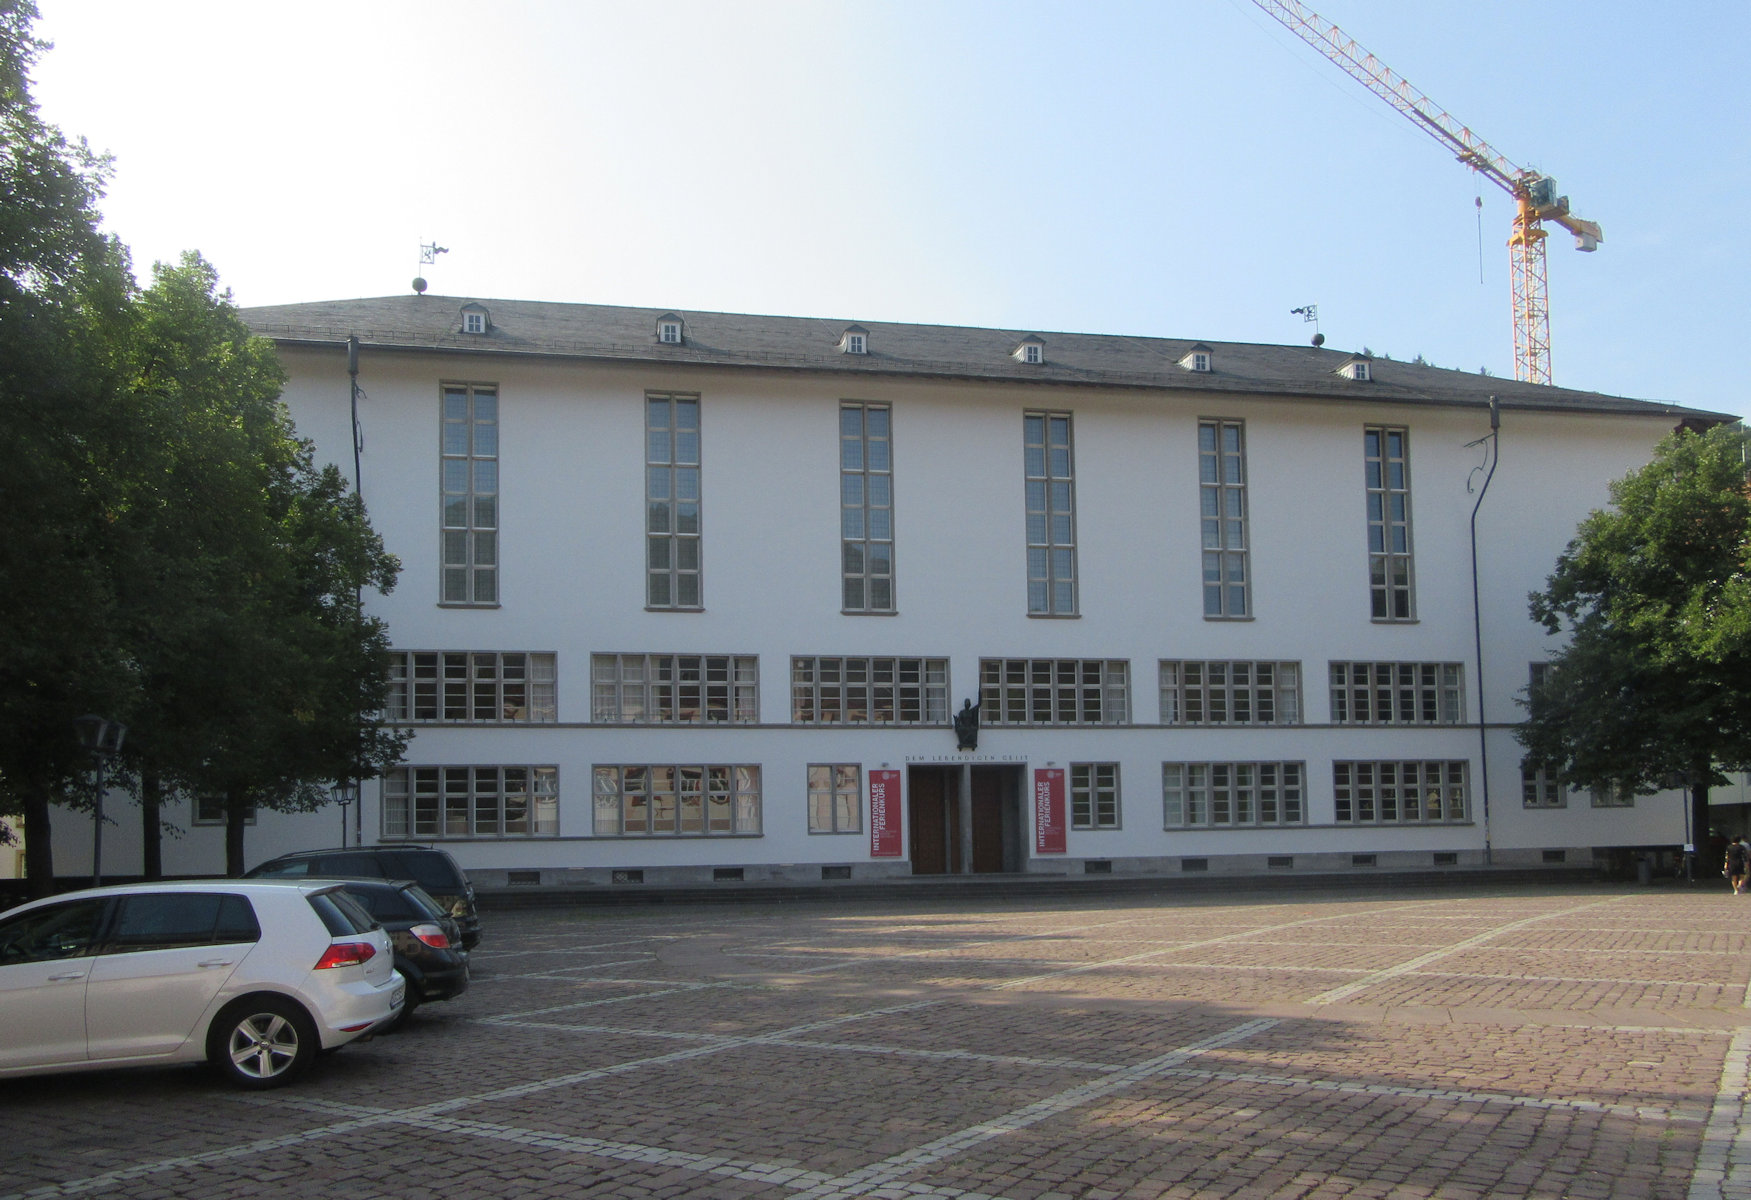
(983, 834)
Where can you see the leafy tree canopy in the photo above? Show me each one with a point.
(1654, 685)
(173, 558)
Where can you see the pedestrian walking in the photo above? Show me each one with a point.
(1738, 858)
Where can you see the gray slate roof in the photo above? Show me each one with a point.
(611, 333)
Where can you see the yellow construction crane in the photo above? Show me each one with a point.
(1535, 198)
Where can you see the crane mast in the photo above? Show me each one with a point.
(1534, 194)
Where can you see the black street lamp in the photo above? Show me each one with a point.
(344, 791)
(101, 738)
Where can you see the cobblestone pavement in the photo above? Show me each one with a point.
(1557, 1041)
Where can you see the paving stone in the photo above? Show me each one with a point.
(1540, 1042)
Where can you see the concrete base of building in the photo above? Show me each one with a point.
(1033, 886)
(592, 879)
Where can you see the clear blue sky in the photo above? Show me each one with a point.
(1184, 169)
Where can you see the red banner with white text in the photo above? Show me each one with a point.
(1049, 810)
(884, 814)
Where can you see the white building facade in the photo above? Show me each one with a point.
(697, 596)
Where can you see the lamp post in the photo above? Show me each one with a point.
(344, 791)
(101, 738)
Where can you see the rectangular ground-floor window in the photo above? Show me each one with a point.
(210, 810)
(1094, 795)
(471, 802)
(1399, 793)
(669, 800)
(835, 798)
(1540, 788)
(1228, 795)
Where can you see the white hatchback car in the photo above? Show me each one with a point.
(253, 977)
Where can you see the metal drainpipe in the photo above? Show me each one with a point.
(359, 593)
(1483, 741)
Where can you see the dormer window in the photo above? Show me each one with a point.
(1197, 359)
(1032, 350)
(669, 330)
(475, 318)
(855, 340)
(1358, 368)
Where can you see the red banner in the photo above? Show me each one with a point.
(884, 814)
(1049, 810)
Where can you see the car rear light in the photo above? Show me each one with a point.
(346, 954)
(432, 936)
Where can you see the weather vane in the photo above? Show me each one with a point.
(429, 252)
(1309, 314)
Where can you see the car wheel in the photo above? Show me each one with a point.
(262, 1042)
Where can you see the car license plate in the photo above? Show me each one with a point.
(398, 997)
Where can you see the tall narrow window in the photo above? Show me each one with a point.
(471, 494)
(866, 508)
(672, 500)
(1222, 495)
(1389, 523)
(1051, 515)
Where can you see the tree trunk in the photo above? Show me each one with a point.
(235, 811)
(151, 839)
(39, 848)
(1699, 823)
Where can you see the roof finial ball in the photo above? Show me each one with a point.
(1318, 338)
(419, 285)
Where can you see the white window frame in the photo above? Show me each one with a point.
(866, 508)
(210, 810)
(1401, 792)
(1540, 788)
(1094, 796)
(659, 800)
(469, 493)
(674, 572)
(868, 690)
(1233, 795)
(1054, 691)
(669, 333)
(471, 803)
(473, 322)
(1223, 519)
(1391, 556)
(675, 689)
(1230, 692)
(835, 798)
(1397, 693)
(1049, 469)
(451, 687)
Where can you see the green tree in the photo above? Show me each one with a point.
(260, 671)
(64, 291)
(1654, 684)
